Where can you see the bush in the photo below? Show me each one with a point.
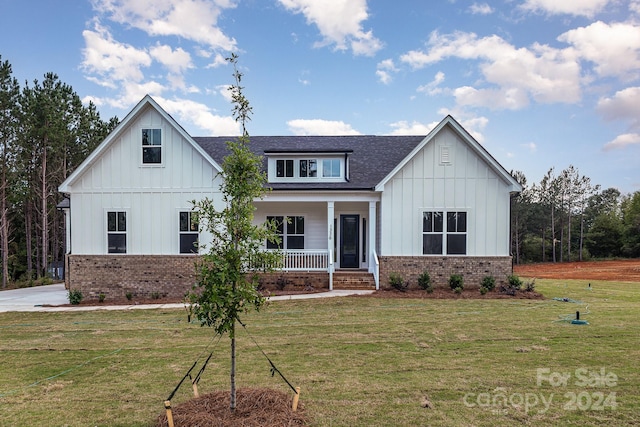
(75, 296)
(530, 286)
(129, 296)
(515, 282)
(101, 297)
(397, 282)
(488, 284)
(155, 295)
(424, 281)
(456, 283)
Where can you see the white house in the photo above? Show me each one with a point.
(366, 205)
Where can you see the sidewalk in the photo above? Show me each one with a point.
(52, 296)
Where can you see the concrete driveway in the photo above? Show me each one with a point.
(46, 298)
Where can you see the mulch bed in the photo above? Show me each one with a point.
(260, 407)
(443, 293)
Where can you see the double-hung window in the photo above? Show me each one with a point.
(151, 146)
(331, 168)
(117, 232)
(188, 233)
(440, 236)
(290, 230)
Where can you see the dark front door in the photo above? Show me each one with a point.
(349, 237)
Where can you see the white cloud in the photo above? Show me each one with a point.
(622, 141)
(194, 20)
(403, 127)
(225, 92)
(304, 127)
(480, 9)
(175, 60)
(200, 115)
(539, 72)
(339, 22)
(623, 105)
(531, 147)
(586, 8)
(384, 70)
(112, 61)
(218, 60)
(614, 48)
(432, 88)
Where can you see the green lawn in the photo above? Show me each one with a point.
(358, 361)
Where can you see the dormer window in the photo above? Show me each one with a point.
(308, 166)
(284, 168)
(151, 146)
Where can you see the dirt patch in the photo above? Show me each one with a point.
(254, 408)
(627, 270)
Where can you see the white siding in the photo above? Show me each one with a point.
(152, 196)
(466, 184)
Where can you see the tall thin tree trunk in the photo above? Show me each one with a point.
(28, 224)
(232, 406)
(4, 227)
(45, 216)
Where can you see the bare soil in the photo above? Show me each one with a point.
(627, 270)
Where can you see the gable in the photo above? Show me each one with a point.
(451, 152)
(119, 163)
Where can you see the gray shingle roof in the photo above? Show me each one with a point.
(371, 158)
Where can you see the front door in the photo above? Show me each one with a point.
(349, 238)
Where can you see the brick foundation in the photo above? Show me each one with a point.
(145, 276)
(473, 269)
(164, 276)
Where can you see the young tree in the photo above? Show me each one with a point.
(226, 283)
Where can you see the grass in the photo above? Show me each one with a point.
(359, 361)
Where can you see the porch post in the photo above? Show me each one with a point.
(330, 244)
(372, 240)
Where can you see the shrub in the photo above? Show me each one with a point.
(456, 283)
(75, 296)
(530, 286)
(155, 295)
(397, 282)
(101, 297)
(424, 281)
(515, 282)
(488, 284)
(129, 296)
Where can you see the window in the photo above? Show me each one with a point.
(151, 146)
(290, 230)
(308, 168)
(331, 168)
(117, 232)
(456, 233)
(435, 241)
(284, 168)
(188, 233)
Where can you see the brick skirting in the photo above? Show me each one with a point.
(473, 269)
(145, 276)
(173, 276)
(149, 276)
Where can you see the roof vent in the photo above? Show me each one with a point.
(445, 157)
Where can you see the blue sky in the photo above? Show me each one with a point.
(540, 83)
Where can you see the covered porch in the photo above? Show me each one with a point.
(335, 236)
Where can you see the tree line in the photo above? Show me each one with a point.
(45, 133)
(565, 217)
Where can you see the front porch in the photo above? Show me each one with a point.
(322, 261)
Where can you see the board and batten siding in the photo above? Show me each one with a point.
(467, 184)
(315, 219)
(152, 196)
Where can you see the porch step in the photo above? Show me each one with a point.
(353, 280)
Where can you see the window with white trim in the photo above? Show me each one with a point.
(331, 168)
(188, 233)
(117, 232)
(290, 230)
(444, 233)
(307, 169)
(151, 146)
